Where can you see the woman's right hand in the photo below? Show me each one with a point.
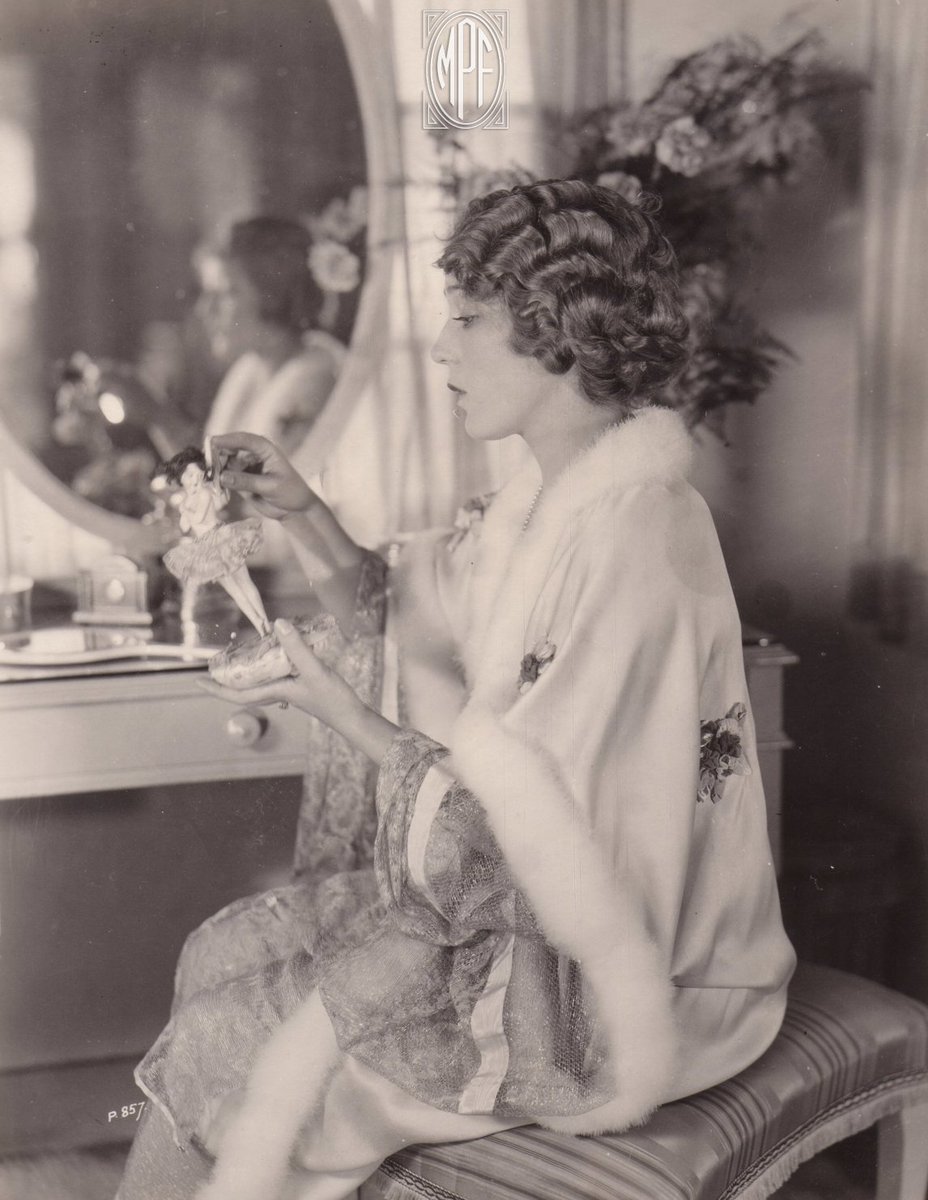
(330, 559)
(255, 467)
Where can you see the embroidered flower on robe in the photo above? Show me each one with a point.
(470, 513)
(536, 663)
(721, 753)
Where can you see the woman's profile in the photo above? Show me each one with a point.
(260, 305)
(533, 883)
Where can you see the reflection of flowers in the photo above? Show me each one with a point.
(721, 753)
(337, 232)
(535, 663)
(118, 481)
(334, 266)
(342, 219)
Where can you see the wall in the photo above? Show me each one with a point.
(99, 891)
(783, 492)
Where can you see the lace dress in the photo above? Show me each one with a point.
(258, 959)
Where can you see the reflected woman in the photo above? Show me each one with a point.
(260, 305)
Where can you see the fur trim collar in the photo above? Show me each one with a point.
(584, 911)
(519, 785)
(652, 446)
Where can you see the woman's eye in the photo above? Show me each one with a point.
(465, 320)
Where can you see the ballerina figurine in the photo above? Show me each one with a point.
(215, 551)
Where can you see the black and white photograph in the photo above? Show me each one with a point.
(463, 600)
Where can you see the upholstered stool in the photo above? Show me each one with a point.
(850, 1054)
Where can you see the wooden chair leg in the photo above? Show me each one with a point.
(902, 1148)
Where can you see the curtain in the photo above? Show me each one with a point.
(579, 50)
(892, 519)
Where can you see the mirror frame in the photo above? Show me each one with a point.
(373, 83)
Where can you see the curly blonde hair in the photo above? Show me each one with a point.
(588, 280)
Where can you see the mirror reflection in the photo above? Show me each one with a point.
(181, 229)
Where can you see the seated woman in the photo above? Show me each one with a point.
(539, 733)
(260, 304)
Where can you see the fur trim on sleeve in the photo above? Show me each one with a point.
(286, 1086)
(582, 910)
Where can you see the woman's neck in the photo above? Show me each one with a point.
(556, 443)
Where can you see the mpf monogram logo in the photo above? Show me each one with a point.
(465, 70)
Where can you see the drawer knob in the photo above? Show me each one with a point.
(246, 728)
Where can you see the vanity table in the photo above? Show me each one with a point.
(135, 805)
(89, 734)
(130, 730)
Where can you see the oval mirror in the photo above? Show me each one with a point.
(132, 139)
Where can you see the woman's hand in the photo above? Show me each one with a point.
(330, 559)
(255, 467)
(318, 691)
(311, 686)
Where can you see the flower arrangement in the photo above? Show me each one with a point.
(723, 129)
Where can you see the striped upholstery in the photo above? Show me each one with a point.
(849, 1052)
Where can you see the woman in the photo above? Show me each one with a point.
(572, 918)
(260, 304)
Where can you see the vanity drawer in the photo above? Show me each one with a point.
(135, 731)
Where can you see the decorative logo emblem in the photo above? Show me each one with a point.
(465, 70)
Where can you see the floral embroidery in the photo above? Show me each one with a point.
(535, 664)
(721, 753)
(469, 514)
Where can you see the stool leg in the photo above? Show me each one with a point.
(902, 1163)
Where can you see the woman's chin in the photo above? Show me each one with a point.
(482, 431)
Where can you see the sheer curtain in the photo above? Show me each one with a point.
(893, 498)
(403, 462)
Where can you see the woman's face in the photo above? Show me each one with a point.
(498, 392)
(229, 307)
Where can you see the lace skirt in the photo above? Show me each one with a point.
(219, 552)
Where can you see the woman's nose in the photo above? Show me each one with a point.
(441, 348)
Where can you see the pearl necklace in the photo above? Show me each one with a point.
(531, 508)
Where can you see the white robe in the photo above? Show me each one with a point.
(587, 774)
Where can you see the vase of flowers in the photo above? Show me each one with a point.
(725, 128)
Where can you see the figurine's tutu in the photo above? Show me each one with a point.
(217, 553)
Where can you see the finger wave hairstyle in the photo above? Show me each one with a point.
(274, 253)
(588, 279)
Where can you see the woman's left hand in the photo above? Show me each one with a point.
(312, 687)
